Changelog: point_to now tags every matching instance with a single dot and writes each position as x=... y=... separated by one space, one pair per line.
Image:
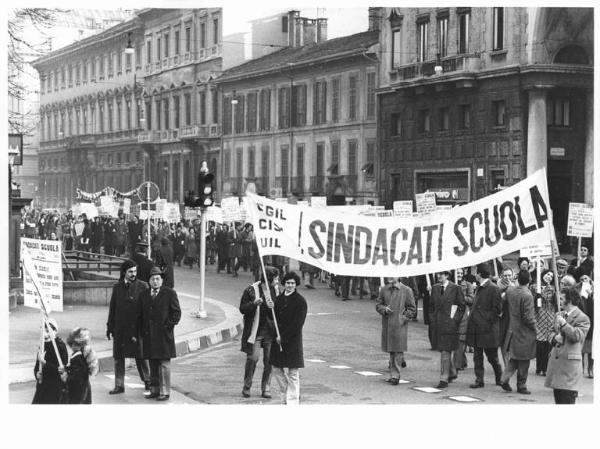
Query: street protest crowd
x=493 y=306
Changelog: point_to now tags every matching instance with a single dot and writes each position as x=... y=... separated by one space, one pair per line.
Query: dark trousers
x=345 y=285
x=160 y=376
x=542 y=352
x=251 y=362
x=492 y=357
x=564 y=396
x=521 y=367
x=142 y=367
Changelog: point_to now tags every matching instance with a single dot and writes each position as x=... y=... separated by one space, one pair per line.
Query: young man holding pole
x=258 y=329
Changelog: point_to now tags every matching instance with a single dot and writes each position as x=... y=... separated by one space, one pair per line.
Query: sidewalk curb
x=224 y=331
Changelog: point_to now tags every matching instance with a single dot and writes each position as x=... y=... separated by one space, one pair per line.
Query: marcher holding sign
x=45 y=259
x=581 y=224
x=49 y=388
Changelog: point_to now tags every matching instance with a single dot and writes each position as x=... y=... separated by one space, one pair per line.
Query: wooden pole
x=268 y=296
x=578 y=251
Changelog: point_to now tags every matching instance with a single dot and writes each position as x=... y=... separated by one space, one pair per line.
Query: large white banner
x=42 y=264
x=356 y=245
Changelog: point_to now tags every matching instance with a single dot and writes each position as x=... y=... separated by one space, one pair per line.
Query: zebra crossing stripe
x=340 y=367
x=427 y=389
x=464 y=399
x=367 y=373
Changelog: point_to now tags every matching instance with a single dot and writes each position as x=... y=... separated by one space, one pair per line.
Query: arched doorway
x=571 y=54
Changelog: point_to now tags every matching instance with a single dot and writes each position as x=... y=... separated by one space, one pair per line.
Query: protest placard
x=581 y=220
x=126 y=206
x=403 y=208
x=318 y=201
x=214 y=213
x=425 y=203
x=348 y=244
x=231 y=209
x=42 y=264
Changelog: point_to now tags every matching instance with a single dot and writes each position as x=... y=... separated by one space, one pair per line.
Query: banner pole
x=268 y=295
x=578 y=251
x=495 y=268
x=538 y=276
x=554 y=251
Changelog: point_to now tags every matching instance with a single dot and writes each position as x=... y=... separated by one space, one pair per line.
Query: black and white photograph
x=315 y=205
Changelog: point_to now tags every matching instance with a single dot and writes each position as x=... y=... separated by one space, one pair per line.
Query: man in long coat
x=165 y=261
x=159 y=314
x=122 y=325
x=447 y=307
x=520 y=335
x=483 y=328
x=144 y=265
x=261 y=328
x=396 y=305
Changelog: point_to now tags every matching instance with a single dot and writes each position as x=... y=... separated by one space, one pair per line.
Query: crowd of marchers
x=504 y=313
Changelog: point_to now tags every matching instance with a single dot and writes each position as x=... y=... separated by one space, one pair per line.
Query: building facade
x=301 y=121
x=111 y=117
x=474 y=99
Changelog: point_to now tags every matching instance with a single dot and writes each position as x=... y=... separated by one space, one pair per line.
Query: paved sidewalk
x=222 y=323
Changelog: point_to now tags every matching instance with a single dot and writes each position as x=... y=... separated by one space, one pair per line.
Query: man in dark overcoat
x=144 y=265
x=122 y=325
x=159 y=314
x=287 y=353
x=165 y=261
x=258 y=330
x=447 y=307
x=396 y=305
x=520 y=335
x=483 y=328
x=222 y=248
x=134 y=233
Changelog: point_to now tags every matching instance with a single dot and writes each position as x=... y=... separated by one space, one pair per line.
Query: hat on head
x=52 y=323
x=562 y=262
x=141 y=245
x=154 y=271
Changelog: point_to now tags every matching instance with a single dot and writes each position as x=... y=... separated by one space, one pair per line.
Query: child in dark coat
x=82 y=364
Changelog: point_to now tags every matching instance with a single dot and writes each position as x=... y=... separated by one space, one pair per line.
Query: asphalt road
x=343 y=360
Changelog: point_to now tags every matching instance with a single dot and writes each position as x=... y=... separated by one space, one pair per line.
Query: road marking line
x=368 y=373
x=464 y=399
x=315 y=360
x=340 y=367
x=130 y=385
x=427 y=389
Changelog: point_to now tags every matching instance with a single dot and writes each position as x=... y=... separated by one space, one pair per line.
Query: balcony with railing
x=184 y=58
x=352 y=182
x=282 y=183
x=262 y=185
x=450 y=65
x=298 y=184
x=317 y=184
x=148 y=137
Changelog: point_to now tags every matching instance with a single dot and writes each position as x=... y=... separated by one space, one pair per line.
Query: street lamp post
x=234 y=102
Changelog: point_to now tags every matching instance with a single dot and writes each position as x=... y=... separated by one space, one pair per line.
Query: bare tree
x=21 y=52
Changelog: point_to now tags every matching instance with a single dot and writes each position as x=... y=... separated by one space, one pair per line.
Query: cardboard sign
x=42 y=265
x=243 y=210
x=191 y=213
x=426 y=203
x=581 y=220
x=231 y=209
x=214 y=213
x=127 y=206
x=403 y=208
x=318 y=201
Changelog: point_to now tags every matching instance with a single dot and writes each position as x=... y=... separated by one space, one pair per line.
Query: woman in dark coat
x=287 y=351
x=49 y=386
x=191 y=249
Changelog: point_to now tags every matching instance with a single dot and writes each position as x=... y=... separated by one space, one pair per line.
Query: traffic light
x=190 y=199
x=205 y=190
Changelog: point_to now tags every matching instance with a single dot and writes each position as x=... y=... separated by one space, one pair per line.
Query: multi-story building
x=65 y=27
x=181 y=57
x=302 y=120
x=111 y=117
x=474 y=99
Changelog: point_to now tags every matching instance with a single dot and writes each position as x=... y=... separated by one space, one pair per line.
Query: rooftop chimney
x=291 y=23
x=321 y=30
x=374 y=16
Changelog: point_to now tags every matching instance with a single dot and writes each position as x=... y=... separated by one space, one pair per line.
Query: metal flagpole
x=268 y=296
x=148 y=217
x=202 y=312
